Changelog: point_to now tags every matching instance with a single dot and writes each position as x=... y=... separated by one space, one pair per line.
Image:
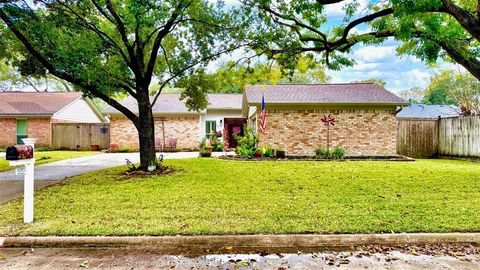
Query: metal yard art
x=328 y=121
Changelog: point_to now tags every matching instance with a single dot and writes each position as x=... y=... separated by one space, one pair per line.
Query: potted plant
x=95 y=147
x=204 y=153
x=258 y=152
x=280 y=152
x=208 y=148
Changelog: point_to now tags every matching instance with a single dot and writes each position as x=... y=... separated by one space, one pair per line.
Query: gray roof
x=429 y=111
x=35 y=103
x=171 y=103
x=348 y=93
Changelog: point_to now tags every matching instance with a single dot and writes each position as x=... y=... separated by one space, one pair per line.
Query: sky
x=379 y=61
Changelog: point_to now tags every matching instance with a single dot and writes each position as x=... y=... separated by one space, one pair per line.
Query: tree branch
x=62 y=75
x=181 y=71
x=467 y=20
x=158 y=40
x=328 y=2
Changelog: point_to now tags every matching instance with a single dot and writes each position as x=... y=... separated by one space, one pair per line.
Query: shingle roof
x=351 y=93
x=429 y=111
x=171 y=103
x=33 y=103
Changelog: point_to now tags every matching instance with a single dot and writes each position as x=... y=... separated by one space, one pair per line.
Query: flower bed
x=313 y=158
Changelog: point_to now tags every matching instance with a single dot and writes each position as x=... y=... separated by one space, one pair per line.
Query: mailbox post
x=28 y=183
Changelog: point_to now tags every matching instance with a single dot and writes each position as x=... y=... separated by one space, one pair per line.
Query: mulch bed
x=312 y=158
x=135 y=174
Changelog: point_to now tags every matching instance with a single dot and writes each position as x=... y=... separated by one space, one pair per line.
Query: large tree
x=111 y=47
x=429 y=29
x=461 y=89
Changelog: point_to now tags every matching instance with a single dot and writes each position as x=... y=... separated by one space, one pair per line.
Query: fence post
x=437 y=146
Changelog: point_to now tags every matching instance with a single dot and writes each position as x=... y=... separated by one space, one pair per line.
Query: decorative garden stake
x=328 y=121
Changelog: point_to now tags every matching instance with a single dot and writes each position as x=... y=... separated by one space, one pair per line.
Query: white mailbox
x=28 y=184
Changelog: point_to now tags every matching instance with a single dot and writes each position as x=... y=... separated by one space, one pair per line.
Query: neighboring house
x=31 y=114
x=173 y=121
x=422 y=111
x=364 y=113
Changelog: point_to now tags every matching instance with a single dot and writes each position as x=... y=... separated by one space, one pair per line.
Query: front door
x=233 y=126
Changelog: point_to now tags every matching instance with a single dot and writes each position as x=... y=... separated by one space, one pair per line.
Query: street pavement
x=55 y=258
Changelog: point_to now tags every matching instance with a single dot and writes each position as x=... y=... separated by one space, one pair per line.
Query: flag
x=263 y=116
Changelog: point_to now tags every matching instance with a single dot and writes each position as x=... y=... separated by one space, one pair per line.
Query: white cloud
x=375 y=53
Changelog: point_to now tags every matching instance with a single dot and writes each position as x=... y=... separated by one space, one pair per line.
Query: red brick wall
x=8 y=126
x=183 y=128
x=360 y=131
x=38 y=128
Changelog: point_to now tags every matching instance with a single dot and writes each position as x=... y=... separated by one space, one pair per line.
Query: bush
x=44 y=149
x=322 y=153
x=125 y=150
x=338 y=153
x=267 y=151
x=246 y=144
x=201 y=145
x=2 y=150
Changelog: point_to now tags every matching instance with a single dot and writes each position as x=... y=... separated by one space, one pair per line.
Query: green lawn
x=210 y=196
x=48 y=156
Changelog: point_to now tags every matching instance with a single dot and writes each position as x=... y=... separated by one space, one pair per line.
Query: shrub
x=201 y=145
x=338 y=153
x=246 y=144
x=322 y=153
x=244 y=151
x=267 y=151
x=125 y=150
x=2 y=150
x=44 y=149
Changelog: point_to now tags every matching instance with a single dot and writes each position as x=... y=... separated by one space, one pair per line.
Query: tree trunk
x=146 y=131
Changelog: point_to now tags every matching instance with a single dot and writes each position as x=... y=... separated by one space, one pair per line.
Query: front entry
x=232 y=126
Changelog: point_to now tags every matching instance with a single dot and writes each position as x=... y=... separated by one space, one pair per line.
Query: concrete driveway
x=11 y=185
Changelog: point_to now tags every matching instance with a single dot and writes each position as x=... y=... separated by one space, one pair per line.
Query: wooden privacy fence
x=456 y=136
x=80 y=136
x=417 y=138
x=459 y=136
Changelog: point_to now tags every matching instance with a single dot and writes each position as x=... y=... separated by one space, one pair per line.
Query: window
x=22 y=131
x=210 y=127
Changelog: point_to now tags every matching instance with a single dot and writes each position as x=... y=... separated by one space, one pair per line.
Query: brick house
x=31 y=114
x=174 y=121
x=365 y=114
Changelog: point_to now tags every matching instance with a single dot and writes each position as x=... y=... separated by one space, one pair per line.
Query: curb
x=292 y=242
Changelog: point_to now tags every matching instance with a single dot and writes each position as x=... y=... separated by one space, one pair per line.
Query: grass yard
x=48 y=156
x=210 y=196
